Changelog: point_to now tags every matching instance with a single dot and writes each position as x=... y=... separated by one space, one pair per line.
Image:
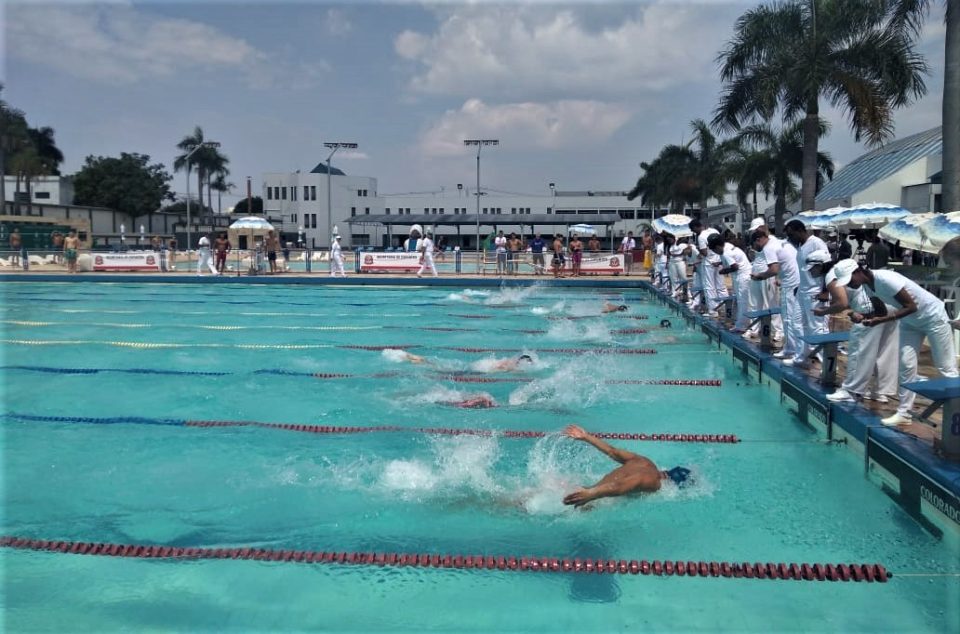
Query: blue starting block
x=729 y=304
x=763 y=316
x=944 y=393
x=828 y=343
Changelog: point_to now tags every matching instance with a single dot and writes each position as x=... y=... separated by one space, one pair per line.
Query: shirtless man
x=576 y=255
x=637 y=474
x=70 y=246
x=16 y=244
x=557 y=262
x=479 y=401
x=272 y=246
x=509 y=365
x=221 y=247
x=613 y=308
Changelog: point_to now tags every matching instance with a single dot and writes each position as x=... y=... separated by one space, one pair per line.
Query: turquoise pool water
x=778 y=496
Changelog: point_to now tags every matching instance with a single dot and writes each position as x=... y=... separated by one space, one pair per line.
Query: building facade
x=46 y=190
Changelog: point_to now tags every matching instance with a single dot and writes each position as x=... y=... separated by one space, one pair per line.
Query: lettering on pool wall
x=942 y=505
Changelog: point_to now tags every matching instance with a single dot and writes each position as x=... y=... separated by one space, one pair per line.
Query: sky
x=578 y=93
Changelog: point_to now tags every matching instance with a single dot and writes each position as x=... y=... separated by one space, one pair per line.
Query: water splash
x=593 y=331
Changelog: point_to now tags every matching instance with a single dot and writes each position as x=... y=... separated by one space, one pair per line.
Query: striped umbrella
x=906 y=232
x=871 y=215
x=941 y=229
x=827 y=219
x=674 y=224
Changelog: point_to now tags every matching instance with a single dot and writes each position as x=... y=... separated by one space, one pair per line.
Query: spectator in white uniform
x=810 y=286
x=426 y=256
x=627 y=245
x=660 y=267
x=735 y=261
x=336 y=258
x=676 y=264
x=708 y=267
x=206 y=259
x=871 y=352
x=768 y=248
x=782 y=258
x=920 y=315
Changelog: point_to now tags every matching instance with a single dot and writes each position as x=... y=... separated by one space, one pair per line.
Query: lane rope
x=333 y=429
x=869 y=573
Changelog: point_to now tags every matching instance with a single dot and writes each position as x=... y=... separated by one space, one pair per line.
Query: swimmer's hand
x=579 y=497
x=577 y=433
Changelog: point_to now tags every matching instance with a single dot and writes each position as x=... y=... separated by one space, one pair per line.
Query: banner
x=606 y=264
x=130 y=261
x=389 y=262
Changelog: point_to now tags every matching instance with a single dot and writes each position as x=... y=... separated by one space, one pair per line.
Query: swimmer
x=637 y=474
x=613 y=308
x=509 y=365
x=400 y=356
x=665 y=323
x=480 y=401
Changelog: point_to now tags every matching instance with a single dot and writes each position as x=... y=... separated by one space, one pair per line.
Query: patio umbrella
x=906 y=231
x=941 y=229
x=250 y=226
x=583 y=230
x=871 y=215
x=827 y=219
x=676 y=225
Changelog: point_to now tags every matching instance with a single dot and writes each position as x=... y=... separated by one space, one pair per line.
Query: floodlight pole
x=333 y=146
x=479 y=143
x=189 y=154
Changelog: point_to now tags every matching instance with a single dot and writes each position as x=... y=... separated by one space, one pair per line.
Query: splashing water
x=393 y=355
x=581 y=382
x=494 y=364
x=594 y=331
x=511 y=296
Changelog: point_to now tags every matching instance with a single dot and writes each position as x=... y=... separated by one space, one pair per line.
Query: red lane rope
x=711 y=569
x=460 y=378
x=636 y=317
x=631 y=331
x=555 y=350
x=453 y=431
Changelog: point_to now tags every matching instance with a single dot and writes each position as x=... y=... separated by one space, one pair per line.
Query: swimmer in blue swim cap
x=636 y=474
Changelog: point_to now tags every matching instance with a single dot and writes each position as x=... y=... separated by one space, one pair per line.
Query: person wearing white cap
x=810 y=284
x=336 y=258
x=426 y=256
x=735 y=261
x=920 y=315
x=709 y=267
x=782 y=259
x=871 y=352
x=205 y=260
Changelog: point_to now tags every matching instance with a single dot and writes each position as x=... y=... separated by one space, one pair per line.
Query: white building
x=49 y=190
x=366 y=218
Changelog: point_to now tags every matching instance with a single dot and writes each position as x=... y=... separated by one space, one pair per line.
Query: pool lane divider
x=870 y=573
x=338 y=430
x=456 y=378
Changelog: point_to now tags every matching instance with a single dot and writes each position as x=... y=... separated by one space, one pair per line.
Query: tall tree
x=208 y=160
x=779 y=158
x=222 y=186
x=712 y=158
x=27 y=164
x=671 y=178
x=129 y=184
x=748 y=170
x=47 y=150
x=13 y=136
x=788 y=55
x=909 y=16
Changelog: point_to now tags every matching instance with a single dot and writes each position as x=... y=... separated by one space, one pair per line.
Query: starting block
x=729 y=304
x=763 y=316
x=944 y=393
x=828 y=343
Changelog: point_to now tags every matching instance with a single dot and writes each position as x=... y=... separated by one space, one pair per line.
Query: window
x=283 y=193
x=293 y=218
x=366 y=211
x=293 y=193
x=353 y=211
x=360 y=239
x=314 y=220
x=626 y=214
x=549 y=210
x=484 y=210
x=306 y=193
x=386 y=210
x=513 y=210
x=41 y=195
x=441 y=211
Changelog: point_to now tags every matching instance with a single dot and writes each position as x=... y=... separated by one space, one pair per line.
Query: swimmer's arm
x=620 y=455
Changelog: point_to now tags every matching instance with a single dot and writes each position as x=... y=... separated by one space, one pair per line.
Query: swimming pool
x=131 y=360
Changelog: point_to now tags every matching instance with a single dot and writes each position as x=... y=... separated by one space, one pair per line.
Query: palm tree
x=50 y=154
x=909 y=16
x=779 y=158
x=748 y=170
x=712 y=159
x=221 y=185
x=671 y=178
x=208 y=160
x=788 y=55
x=216 y=165
x=27 y=164
x=13 y=136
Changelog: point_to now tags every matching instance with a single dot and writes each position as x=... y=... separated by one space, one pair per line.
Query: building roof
x=452 y=220
x=321 y=168
x=874 y=166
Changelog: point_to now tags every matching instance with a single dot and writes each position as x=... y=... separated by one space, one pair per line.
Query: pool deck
x=901 y=461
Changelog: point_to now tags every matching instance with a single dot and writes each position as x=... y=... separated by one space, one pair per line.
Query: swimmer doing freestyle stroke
x=636 y=474
x=613 y=308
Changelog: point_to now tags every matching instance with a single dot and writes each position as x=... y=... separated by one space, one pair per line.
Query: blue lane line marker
x=177 y=422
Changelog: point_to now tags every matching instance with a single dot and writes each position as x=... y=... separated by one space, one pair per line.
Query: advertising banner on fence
x=611 y=264
x=130 y=261
x=389 y=262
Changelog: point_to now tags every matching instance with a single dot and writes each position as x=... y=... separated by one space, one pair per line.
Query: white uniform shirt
x=426 y=245
x=770 y=251
x=808 y=283
x=759 y=264
x=887 y=284
x=628 y=244
x=335 y=251
x=661 y=254
x=789 y=273
x=204 y=242
x=501 y=244
x=733 y=254
x=676 y=251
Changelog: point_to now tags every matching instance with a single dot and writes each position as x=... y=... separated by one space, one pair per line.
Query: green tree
x=256 y=204
x=27 y=164
x=222 y=186
x=712 y=159
x=788 y=55
x=748 y=170
x=778 y=158
x=180 y=208
x=47 y=150
x=208 y=160
x=13 y=137
x=909 y=16
x=129 y=184
x=671 y=178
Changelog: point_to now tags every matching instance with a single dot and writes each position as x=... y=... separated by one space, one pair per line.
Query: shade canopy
x=583 y=229
x=251 y=223
x=675 y=224
x=941 y=229
x=906 y=232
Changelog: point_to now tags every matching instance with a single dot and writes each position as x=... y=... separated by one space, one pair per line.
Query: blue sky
x=577 y=93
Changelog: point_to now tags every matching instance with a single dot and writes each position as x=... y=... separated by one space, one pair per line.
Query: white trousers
x=872 y=352
x=940 y=335
x=741 y=287
x=792 y=322
x=336 y=266
x=427 y=263
x=713 y=287
x=678 y=273
x=812 y=324
x=205 y=261
x=697 y=283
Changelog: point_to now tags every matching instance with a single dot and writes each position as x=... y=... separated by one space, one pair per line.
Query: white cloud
x=526 y=125
x=336 y=23
x=504 y=51
x=120 y=44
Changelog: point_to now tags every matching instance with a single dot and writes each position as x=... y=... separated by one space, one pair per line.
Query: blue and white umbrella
x=871 y=215
x=251 y=223
x=583 y=230
x=676 y=225
x=827 y=219
x=941 y=229
x=906 y=232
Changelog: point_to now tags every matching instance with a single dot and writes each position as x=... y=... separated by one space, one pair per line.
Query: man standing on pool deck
x=426 y=256
x=336 y=258
x=636 y=474
x=205 y=261
x=537 y=245
x=70 y=246
x=272 y=245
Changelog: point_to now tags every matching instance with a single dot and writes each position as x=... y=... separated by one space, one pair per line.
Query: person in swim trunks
x=576 y=255
x=70 y=245
x=557 y=263
x=636 y=474
x=613 y=308
x=480 y=401
x=272 y=246
x=221 y=247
